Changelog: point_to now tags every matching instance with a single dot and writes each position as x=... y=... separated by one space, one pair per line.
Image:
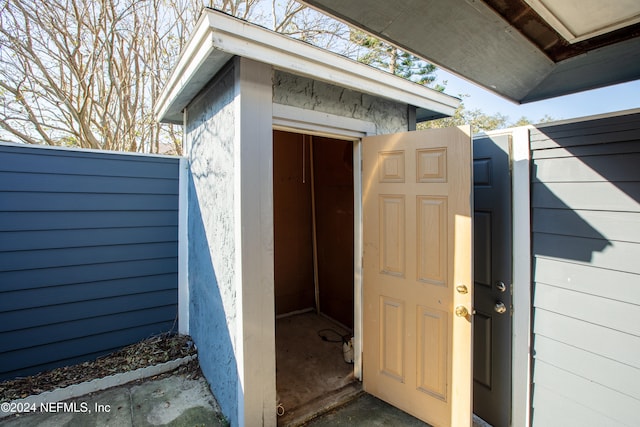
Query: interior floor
x=311 y=373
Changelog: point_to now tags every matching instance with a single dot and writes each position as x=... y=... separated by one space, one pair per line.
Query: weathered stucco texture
x=213 y=316
x=222 y=333
x=302 y=92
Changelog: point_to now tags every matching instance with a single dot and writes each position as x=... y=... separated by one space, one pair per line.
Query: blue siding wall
x=586 y=248
x=88 y=254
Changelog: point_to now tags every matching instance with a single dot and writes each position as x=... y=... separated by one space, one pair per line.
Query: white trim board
x=521 y=332
x=313 y=122
x=218 y=37
x=183 y=246
x=253 y=217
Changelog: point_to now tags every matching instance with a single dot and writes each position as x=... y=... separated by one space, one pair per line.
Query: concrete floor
x=311 y=374
x=175 y=401
x=316 y=387
x=366 y=411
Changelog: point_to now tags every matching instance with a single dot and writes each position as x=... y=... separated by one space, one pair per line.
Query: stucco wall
x=302 y=92
x=210 y=134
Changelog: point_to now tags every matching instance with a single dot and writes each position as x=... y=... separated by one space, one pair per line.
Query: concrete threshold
x=302 y=414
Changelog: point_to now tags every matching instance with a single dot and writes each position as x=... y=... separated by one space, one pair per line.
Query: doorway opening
x=313 y=197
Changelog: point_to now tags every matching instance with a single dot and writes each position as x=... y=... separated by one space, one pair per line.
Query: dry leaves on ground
x=152 y=351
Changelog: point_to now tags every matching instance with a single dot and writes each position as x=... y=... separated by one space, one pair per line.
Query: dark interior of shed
x=313 y=195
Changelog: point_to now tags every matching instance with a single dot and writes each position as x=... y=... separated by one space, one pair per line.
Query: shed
x=273 y=135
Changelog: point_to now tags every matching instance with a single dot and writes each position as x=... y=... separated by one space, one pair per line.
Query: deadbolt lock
x=462 y=289
x=500 y=308
x=501 y=286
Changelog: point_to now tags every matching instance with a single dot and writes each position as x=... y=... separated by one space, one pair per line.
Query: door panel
x=432 y=239
x=432 y=351
x=392 y=331
x=492 y=265
x=482 y=352
x=417 y=252
x=392 y=234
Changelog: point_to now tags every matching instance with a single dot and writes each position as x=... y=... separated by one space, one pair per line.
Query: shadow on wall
x=585 y=192
x=208 y=320
x=559 y=230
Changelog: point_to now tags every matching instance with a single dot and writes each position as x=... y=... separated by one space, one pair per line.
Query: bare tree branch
x=87 y=73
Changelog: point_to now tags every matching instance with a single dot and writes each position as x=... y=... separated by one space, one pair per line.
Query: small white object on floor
x=347 y=350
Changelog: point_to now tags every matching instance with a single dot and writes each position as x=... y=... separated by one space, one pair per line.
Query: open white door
x=417 y=284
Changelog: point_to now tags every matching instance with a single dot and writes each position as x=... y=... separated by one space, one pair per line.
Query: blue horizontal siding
x=54 y=239
x=9 y=221
x=88 y=254
x=64 y=294
x=63 y=353
x=61 y=275
x=42 y=201
x=47 y=182
x=41 y=316
x=586 y=245
x=47 y=258
x=25 y=159
x=63 y=331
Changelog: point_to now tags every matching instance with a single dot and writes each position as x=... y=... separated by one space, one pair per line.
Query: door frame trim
x=521 y=285
x=286 y=117
x=312 y=122
x=521 y=299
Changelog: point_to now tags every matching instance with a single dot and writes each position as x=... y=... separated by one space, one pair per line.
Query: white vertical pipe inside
x=357 y=259
x=316 y=280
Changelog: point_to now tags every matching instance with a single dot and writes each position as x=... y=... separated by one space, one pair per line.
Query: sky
x=598 y=101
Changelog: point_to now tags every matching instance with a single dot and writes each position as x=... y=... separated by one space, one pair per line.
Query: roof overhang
x=219 y=37
x=524 y=50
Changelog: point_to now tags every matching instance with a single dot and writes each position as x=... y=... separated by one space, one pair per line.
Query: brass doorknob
x=500 y=308
x=461 y=311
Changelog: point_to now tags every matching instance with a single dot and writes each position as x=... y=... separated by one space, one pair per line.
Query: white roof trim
x=586 y=19
x=218 y=37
